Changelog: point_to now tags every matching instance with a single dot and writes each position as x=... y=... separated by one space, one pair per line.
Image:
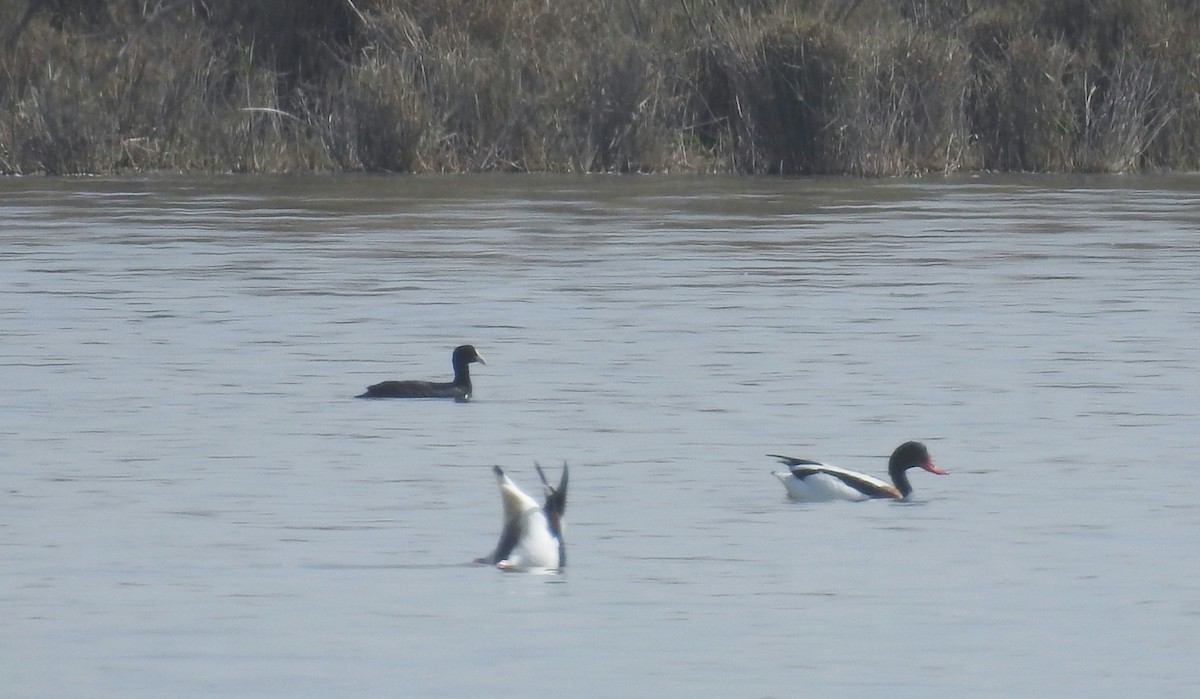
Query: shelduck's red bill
x=928 y=466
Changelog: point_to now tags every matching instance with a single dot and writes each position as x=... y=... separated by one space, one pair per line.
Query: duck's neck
x=900 y=478
x=462 y=375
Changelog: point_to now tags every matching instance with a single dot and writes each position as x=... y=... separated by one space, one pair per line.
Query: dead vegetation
x=884 y=87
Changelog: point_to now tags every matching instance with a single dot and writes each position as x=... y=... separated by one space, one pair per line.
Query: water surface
x=194 y=505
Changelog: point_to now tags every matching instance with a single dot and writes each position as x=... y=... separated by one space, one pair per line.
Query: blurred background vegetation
x=866 y=87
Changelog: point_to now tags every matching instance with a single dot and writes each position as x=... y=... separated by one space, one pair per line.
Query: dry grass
x=881 y=87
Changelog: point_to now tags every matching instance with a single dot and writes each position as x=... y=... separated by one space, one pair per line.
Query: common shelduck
x=532 y=536
x=813 y=481
x=459 y=388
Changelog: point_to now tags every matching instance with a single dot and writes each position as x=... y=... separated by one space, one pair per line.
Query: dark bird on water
x=459 y=388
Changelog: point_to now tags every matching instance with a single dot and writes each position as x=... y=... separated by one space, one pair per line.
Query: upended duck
x=813 y=481
x=532 y=536
x=459 y=388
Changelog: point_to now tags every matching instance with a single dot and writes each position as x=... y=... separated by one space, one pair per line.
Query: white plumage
x=827 y=484
x=813 y=481
x=531 y=536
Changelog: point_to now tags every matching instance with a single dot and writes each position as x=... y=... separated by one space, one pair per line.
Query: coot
x=459 y=388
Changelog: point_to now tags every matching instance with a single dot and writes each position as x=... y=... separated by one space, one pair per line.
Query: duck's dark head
x=910 y=455
x=465 y=354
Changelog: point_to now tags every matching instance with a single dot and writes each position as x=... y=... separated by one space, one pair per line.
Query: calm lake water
x=193 y=504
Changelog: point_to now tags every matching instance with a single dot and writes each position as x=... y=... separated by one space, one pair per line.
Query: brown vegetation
x=871 y=87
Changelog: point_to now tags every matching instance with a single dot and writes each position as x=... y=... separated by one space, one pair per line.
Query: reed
x=873 y=87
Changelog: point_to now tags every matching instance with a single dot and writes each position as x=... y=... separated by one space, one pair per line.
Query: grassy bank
x=871 y=87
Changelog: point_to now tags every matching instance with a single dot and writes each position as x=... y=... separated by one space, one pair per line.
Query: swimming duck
x=532 y=536
x=813 y=481
x=459 y=388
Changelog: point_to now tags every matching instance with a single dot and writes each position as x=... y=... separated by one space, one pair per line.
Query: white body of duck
x=813 y=481
x=531 y=537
